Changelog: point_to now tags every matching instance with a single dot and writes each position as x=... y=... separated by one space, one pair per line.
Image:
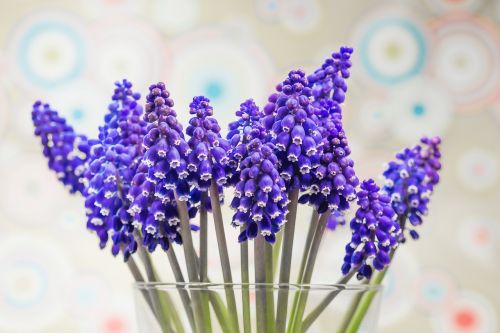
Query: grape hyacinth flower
x=208 y=158
x=375 y=232
x=66 y=150
x=247 y=127
x=410 y=181
x=163 y=171
x=334 y=179
x=112 y=165
x=292 y=124
x=260 y=197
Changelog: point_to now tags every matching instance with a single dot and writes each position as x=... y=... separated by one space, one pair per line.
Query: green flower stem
x=318 y=310
x=220 y=311
x=286 y=261
x=219 y=308
x=296 y=320
x=136 y=273
x=204 y=250
x=364 y=304
x=183 y=293
x=305 y=254
x=203 y=238
x=260 y=279
x=164 y=313
x=223 y=253
x=307 y=246
x=268 y=252
x=276 y=252
x=349 y=313
x=201 y=318
x=245 y=280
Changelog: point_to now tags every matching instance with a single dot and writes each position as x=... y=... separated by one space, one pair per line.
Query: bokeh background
x=420 y=67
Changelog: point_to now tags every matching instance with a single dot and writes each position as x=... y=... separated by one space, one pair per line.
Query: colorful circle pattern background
x=417 y=66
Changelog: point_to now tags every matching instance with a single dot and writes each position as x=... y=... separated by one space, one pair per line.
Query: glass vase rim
x=361 y=287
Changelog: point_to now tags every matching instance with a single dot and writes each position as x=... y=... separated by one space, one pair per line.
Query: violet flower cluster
x=143 y=164
x=67 y=152
x=410 y=181
x=292 y=125
x=334 y=179
x=163 y=174
x=112 y=164
x=260 y=196
x=375 y=232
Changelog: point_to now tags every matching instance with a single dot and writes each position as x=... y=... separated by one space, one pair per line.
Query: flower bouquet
x=149 y=185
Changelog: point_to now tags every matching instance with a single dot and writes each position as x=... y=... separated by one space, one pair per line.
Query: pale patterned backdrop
x=419 y=67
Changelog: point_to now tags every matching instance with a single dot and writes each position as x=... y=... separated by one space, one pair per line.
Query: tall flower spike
x=247 y=127
x=67 y=152
x=334 y=179
x=293 y=130
x=163 y=170
x=410 y=181
x=208 y=158
x=112 y=165
x=375 y=232
x=260 y=197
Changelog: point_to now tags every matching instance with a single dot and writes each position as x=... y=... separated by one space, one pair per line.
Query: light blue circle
x=433 y=292
x=421 y=46
x=39 y=29
x=214 y=89
x=419 y=110
x=41 y=293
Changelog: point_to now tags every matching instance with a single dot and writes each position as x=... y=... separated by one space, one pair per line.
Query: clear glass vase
x=263 y=308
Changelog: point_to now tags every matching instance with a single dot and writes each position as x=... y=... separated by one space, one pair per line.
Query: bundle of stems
x=270 y=317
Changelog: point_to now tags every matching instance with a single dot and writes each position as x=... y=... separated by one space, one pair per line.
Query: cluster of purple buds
x=162 y=176
x=410 y=181
x=334 y=180
x=67 y=152
x=375 y=232
x=328 y=82
x=247 y=127
x=208 y=158
x=260 y=197
x=112 y=165
x=292 y=125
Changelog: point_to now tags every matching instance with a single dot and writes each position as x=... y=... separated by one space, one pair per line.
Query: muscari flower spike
x=375 y=232
x=247 y=127
x=162 y=175
x=208 y=158
x=334 y=179
x=292 y=125
x=112 y=165
x=410 y=181
x=67 y=152
x=260 y=197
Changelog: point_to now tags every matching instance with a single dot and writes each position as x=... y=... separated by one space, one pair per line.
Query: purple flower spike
x=66 y=150
x=209 y=151
x=260 y=195
x=334 y=180
x=162 y=170
x=293 y=129
x=112 y=165
x=410 y=181
x=375 y=232
x=247 y=127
